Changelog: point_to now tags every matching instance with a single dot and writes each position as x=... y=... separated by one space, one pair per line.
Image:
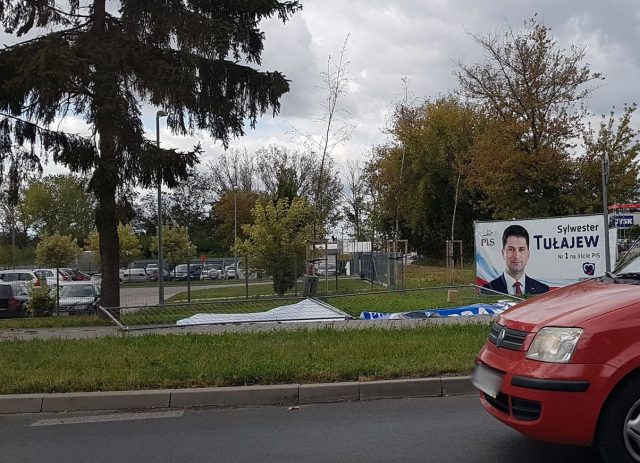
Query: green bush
x=42 y=303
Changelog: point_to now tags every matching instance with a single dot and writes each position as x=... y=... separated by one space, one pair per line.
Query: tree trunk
x=105 y=178
x=105 y=182
x=106 y=223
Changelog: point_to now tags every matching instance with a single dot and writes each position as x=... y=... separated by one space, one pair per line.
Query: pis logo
x=487 y=238
x=589 y=268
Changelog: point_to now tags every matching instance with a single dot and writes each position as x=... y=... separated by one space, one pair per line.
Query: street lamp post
x=160 y=114
x=235 y=229
x=605 y=209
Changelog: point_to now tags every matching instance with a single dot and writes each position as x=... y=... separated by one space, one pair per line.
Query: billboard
x=561 y=251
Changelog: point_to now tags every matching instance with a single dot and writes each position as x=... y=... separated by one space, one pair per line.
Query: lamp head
x=161 y=113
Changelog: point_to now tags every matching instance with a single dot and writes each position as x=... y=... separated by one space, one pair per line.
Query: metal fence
x=291 y=308
x=382 y=268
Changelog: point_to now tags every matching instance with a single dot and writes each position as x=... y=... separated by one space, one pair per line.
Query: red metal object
x=13 y=304
x=607 y=352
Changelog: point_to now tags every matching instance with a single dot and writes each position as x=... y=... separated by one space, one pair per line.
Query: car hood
x=571 y=305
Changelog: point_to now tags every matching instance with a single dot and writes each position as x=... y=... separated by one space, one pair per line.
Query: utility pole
x=160 y=114
x=605 y=209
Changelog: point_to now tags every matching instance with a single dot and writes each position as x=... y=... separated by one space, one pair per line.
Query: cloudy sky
x=420 y=40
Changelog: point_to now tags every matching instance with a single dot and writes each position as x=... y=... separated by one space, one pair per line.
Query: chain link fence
x=380 y=268
x=260 y=309
x=348 y=282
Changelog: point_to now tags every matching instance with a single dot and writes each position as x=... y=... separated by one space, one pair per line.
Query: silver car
x=211 y=272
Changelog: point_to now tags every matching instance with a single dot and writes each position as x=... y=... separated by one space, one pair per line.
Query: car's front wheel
x=618 y=436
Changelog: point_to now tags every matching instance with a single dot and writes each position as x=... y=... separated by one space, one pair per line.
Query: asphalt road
x=451 y=429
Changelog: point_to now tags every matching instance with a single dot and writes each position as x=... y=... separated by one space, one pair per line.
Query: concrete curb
x=280 y=394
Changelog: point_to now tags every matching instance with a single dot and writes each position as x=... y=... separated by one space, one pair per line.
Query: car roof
x=80 y=283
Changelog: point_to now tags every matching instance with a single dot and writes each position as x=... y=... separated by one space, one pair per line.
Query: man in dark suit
x=515 y=252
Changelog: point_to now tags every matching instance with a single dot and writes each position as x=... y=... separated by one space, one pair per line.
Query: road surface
x=451 y=429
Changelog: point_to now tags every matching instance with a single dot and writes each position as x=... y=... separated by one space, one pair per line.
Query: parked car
x=14 y=298
x=49 y=274
x=329 y=270
x=24 y=275
x=180 y=272
x=230 y=271
x=564 y=366
x=78 y=297
x=150 y=268
x=211 y=272
x=76 y=275
x=134 y=275
x=153 y=275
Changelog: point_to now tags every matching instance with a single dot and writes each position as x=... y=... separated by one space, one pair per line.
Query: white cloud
x=422 y=41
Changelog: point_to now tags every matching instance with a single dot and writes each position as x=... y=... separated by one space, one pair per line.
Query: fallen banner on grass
x=306 y=310
x=465 y=311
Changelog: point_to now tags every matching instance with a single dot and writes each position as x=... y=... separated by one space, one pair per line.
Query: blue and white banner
x=466 y=311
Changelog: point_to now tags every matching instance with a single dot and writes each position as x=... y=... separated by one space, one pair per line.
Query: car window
x=76 y=291
x=11 y=277
x=181 y=268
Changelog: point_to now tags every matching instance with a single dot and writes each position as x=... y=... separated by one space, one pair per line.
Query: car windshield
x=181 y=268
x=630 y=262
x=11 y=277
x=77 y=291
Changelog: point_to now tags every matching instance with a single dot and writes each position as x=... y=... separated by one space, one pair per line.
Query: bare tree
x=355 y=197
x=336 y=130
x=233 y=168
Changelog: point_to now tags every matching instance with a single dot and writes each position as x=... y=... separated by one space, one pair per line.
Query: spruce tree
x=197 y=60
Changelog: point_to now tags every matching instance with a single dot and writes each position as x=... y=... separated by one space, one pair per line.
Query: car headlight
x=554 y=344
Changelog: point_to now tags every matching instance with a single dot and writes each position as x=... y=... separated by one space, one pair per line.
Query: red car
x=565 y=366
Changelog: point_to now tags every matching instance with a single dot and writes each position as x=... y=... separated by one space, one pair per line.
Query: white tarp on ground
x=306 y=310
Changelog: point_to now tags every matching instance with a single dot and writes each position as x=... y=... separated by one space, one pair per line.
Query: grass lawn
x=53 y=322
x=427 y=276
x=232 y=359
x=345 y=285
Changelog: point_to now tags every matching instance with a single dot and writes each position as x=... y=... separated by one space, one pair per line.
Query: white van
x=134 y=274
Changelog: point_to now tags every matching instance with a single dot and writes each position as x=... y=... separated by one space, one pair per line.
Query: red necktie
x=518 y=286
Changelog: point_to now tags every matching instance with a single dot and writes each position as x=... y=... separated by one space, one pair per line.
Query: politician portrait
x=516 y=253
